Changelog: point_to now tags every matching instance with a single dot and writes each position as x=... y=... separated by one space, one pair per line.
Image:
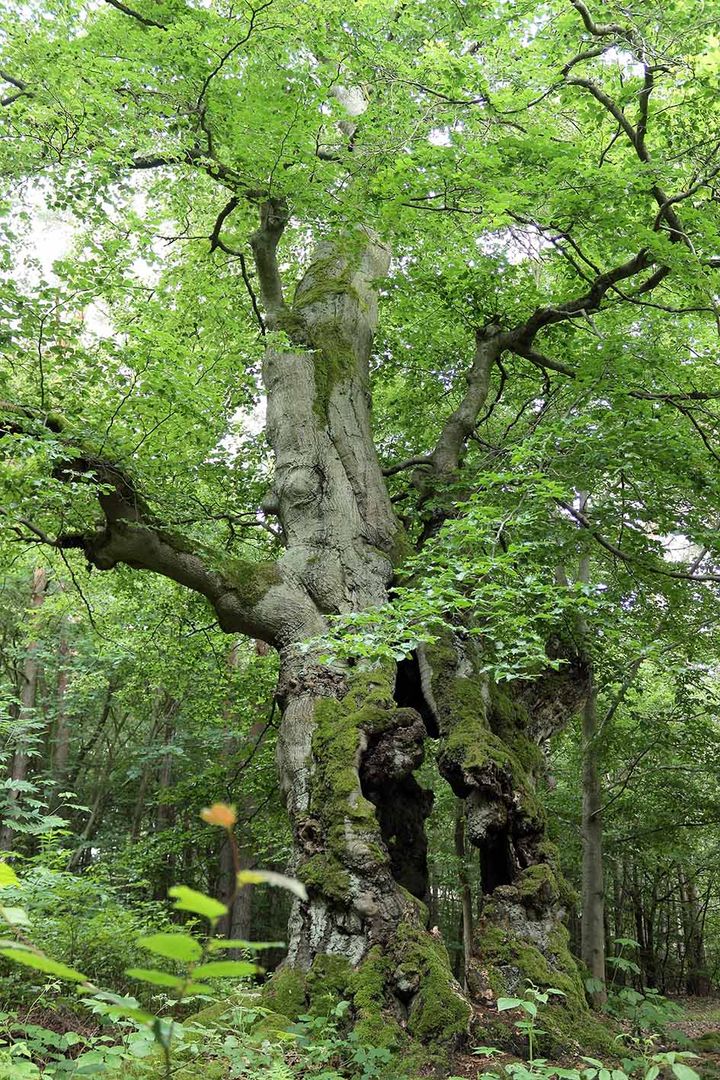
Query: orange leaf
x=219 y=814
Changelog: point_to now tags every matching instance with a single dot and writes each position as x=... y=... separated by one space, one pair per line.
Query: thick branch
x=624 y=556
x=252 y=598
x=22 y=88
x=608 y=104
x=520 y=339
x=489 y=344
x=18 y=83
x=601 y=29
x=264 y=241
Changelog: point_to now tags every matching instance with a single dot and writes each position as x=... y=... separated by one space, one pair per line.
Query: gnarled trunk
x=347 y=750
x=351 y=740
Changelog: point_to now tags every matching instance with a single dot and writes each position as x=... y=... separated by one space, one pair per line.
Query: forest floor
x=698 y=1030
x=702 y=1016
x=700 y=1024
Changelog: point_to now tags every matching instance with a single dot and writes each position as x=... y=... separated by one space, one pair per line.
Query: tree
x=550 y=215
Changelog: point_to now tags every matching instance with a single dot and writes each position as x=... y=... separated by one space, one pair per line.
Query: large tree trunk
x=347 y=750
x=351 y=739
x=491 y=755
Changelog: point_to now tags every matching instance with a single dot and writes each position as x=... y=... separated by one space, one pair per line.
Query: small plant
x=194 y=963
x=647 y=1068
x=325 y=1044
x=529 y=1005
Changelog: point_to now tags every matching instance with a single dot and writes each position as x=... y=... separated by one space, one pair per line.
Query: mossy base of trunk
x=506 y=963
x=401 y=994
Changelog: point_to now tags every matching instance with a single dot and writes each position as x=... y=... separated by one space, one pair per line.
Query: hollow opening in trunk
x=497 y=865
x=402 y=807
x=387 y=780
x=409 y=693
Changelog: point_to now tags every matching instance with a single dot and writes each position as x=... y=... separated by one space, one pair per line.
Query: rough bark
x=491 y=755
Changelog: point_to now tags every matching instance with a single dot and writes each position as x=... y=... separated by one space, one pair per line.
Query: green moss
x=348 y=820
x=325 y=874
x=333 y=362
x=401 y=549
x=293 y=324
x=256 y=578
x=512 y=963
x=327 y=982
x=331 y=276
x=538 y=886
x=438 y=1013
x=372 y=1024
x=272 y=1027
x=334 y=357
x=485 y=729
x=709 y=1042
x=418 y=964
x=285 y=993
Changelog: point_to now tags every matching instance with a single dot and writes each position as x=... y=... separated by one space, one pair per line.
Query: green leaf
x=156 y=977
x=216 y=944
x=15 y=916
x=652 y=1072
x=230 y=969
x=7 y=875
x=187 y=899
x=43 y=963
x=269 y=877
x=503 y=1004
x=178 y=946
x=132 y=1014
x=684 y=1072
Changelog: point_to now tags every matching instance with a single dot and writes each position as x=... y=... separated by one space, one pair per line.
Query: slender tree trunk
x=29 y=674
x=60 y=751
x=165 y=812
x=167 y=708
x=696 y=978
x=466 y=921
x=593 y=889
x=238 y=923
x=618 y=881
x=140 y=803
